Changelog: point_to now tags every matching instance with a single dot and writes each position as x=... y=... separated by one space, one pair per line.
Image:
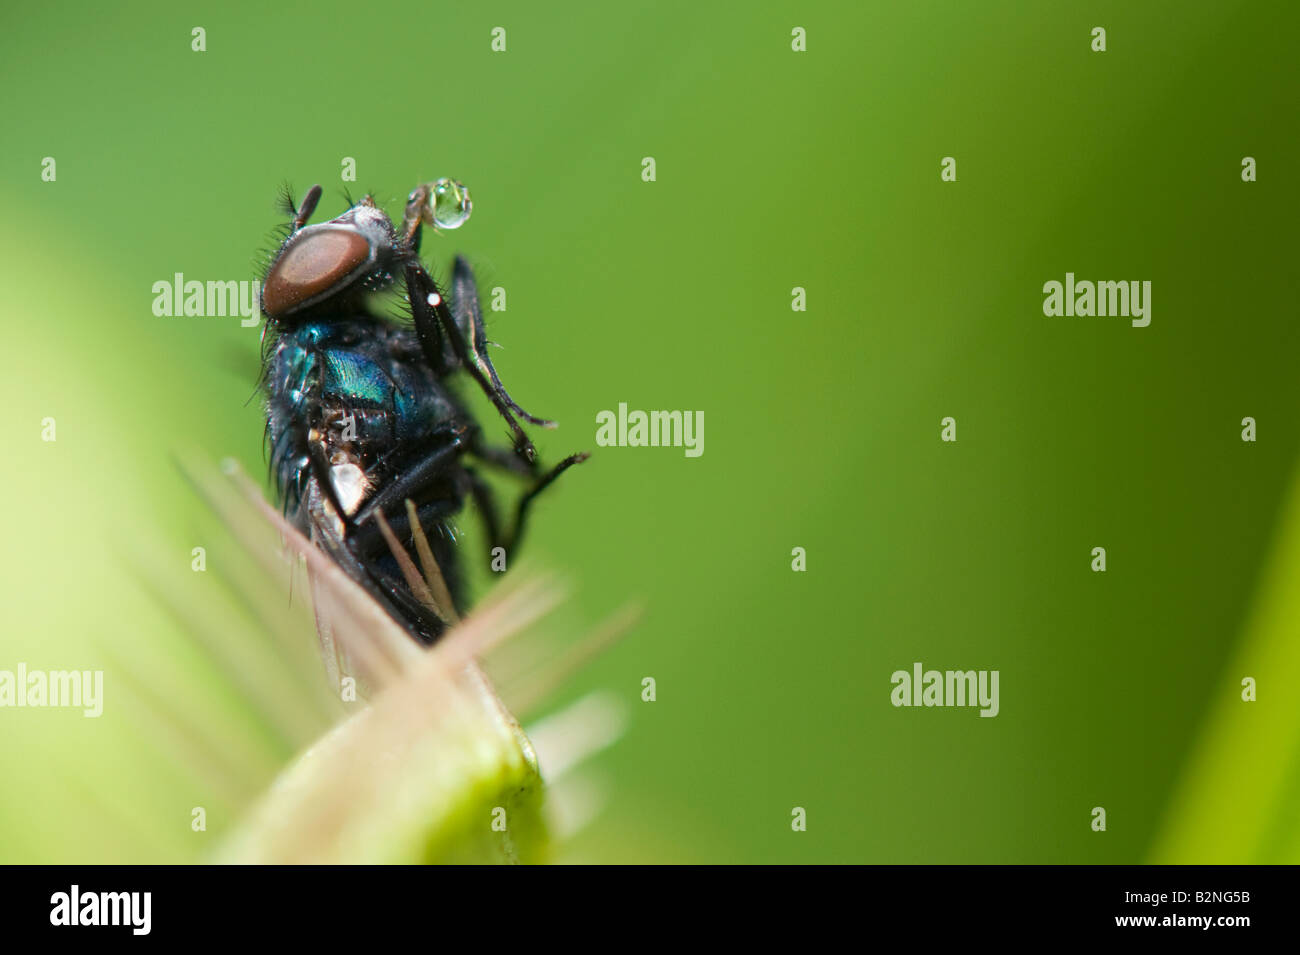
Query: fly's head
x=327 y=265
x=324 y=265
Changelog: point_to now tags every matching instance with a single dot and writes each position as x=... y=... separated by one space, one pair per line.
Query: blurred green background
x=775 y=169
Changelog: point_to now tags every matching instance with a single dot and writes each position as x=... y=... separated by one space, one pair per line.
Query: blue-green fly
x=371 y=450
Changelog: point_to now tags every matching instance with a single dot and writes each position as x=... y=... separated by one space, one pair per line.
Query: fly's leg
x=504 y=459
x=467 y=318
x=360 y=565
x=485 y=499
x=390 y=522
x=458 y=325
x=446 y=445
x=357 y=542
x=521 y=510
x=419 y=619
x=463 y=329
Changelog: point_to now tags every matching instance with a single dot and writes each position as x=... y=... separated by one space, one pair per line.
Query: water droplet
x=450 y=203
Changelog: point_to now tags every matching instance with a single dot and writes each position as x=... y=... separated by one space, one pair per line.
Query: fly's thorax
x=356 y=388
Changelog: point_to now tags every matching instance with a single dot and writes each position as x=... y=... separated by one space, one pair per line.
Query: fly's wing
x=399 y=599
x=359 y=634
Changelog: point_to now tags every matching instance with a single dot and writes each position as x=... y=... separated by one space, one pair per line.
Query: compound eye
x=313 y=265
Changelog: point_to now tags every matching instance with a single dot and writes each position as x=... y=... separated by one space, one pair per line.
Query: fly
x=371 y=452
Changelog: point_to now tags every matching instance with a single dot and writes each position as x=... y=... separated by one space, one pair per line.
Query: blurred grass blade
x=1239 y=798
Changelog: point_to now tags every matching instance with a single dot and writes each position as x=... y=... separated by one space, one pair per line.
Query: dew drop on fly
x=449 y=204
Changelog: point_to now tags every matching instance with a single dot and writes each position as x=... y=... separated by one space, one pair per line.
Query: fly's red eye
x=311 y=266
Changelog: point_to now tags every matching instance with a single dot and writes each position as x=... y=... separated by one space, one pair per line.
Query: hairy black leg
x=417 y=475
x=397 y=458
x=486 y=501
x=505 y=461
x=521 y=512
x=364 y=541
x=367 y=540
x=414 y=615
x=350 y=551
x=433 y=321
x=426 y=624
x=503 y=458
x=467 y=317
x=458 y=325
x=359 y=548
x=408 y=528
